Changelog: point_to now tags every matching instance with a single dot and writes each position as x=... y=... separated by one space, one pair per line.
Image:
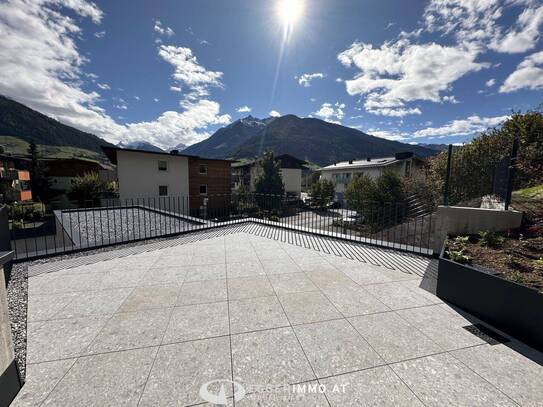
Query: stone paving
x=283 y=324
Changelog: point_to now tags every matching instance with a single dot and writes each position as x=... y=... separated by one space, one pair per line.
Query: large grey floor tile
x=300 y=395
x=129 y=330
x=250 y=268
x=256 y=313
x=249 y=287
x=393 y=338
x=62 y=338
x=148 y=297
x=198 y=292
x=53 y=283
x=442 y=326
x=511 y=372
x=397 y=296
x=94 y=303
x=272 y=357
x=41 y=378
x=44 y=307
x=291 y=283
x=327 y=280
x=308 y=307
x=164 y=275
x=442 y=380
x=280 y=266
x=197 y=321
x=372 y=388
x=352 y=301
x=335 y=347
x=365 y=274
x=181 y=369
x=111 y=379
x=206 y=272
x=122 y=278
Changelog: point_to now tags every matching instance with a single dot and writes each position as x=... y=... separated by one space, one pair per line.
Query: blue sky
x=171 y=72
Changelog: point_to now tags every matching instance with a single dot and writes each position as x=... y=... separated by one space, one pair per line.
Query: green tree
x=322 y=192
x=269 y=187
x=39 y=183
x=89 y=189
x=475 y=163
x=389 y=188
x=360 y=192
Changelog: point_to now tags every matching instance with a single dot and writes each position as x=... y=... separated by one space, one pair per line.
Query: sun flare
x=290 y=11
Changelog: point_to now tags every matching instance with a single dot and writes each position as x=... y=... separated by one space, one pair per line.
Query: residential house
x=14 y=182
x=342 y=173
x=246 y=173
x=61 y=173
x=177 y=182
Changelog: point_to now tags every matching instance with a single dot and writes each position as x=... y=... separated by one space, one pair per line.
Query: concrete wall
x=455 y=220
x=139 y=176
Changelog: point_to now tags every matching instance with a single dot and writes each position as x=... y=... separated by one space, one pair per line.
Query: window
x=203 y=169
x=203 y=189
x=163 y=190
x=162 y=165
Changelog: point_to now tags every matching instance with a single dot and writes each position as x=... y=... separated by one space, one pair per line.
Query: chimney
x=174 y=152
x=350 y=161
x=368 y=159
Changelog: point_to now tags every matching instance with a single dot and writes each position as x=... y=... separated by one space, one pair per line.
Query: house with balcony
x=246 y=173
x=14 y=182
x=342 y=173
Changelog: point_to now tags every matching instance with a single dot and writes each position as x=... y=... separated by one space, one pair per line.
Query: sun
x=290 y=11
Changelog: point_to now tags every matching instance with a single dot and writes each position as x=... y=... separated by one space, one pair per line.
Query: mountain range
x=311 y=139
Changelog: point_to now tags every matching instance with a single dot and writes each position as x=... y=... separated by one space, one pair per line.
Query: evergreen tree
x=269 y=186
x=39 y=183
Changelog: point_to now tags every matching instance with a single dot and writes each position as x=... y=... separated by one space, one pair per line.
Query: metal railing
x=105 y=222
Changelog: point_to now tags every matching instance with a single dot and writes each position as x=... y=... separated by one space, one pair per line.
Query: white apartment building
x=341 y=173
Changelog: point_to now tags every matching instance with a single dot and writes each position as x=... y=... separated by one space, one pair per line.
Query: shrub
x=490 y=239
x=458 y=256
x=322 y=192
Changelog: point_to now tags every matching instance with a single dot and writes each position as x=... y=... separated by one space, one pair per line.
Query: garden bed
x=497 y=278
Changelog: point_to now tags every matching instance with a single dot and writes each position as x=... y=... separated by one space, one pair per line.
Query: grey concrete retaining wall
x=456 y=220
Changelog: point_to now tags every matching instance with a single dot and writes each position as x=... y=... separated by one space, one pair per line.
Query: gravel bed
x=17 y=308
x=92 y=227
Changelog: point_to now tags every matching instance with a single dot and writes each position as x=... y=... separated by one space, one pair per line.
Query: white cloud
x=462 y=127
x=187 y=127
x=332 y=113
x=400 y=72
x=175 y=88
x=528 y=75
x=339 y=80
x=389 y=135
x=162 y=30
x=476 y=23
x=305 y=79
x=100 y=34
x=274 y=113
x=103 y=86
x=491 y=82
x=156 y=99
x=41 y=67
x=137 y=97
x=450 y=99
x=524 y=36
x=244 y=109
x=189 y=72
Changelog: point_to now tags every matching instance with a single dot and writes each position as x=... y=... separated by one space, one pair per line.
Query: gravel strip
x=17 y=308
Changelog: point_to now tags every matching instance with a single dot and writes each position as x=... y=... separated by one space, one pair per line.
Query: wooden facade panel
x=217 y=181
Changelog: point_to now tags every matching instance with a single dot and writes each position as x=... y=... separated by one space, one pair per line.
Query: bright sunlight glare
x=290 y=11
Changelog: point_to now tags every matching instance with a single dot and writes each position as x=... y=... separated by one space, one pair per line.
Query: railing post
x=447 y=177
x=511 y=173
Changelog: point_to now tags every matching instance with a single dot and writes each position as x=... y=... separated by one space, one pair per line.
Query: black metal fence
x=113 y=221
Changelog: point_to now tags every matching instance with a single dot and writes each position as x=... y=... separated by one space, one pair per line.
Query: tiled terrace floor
x=151 y=328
